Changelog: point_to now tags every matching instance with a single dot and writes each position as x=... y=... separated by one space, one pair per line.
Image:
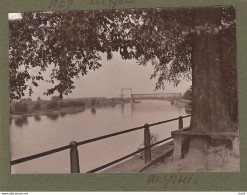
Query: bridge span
x=138 y=96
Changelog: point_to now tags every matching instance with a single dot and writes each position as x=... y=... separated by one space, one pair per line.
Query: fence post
x=147 y=143
x=74 y=158
x=180 y=122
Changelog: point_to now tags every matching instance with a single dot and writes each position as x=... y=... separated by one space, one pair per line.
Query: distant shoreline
x=77 y=109
x=69 y=110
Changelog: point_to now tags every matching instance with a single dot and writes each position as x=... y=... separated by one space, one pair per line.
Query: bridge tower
x=127 y=89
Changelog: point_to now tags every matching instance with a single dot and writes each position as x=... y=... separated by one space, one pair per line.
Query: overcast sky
x=114 y=75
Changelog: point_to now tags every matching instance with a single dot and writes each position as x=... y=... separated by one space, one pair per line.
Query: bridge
x=160 y=96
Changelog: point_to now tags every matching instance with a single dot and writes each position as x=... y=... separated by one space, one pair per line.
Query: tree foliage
x=70 y=44
x=20 y=107
x=188 y=94
x=37 y=106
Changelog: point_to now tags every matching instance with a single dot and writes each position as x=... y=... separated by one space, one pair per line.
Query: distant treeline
x=62 y=104
x=28 y=106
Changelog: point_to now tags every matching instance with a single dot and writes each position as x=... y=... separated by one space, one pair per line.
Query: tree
x=45 y=40
x=214 y=79
x=188 y=94
x=20 y=107
x=54 y=98
x=210 y=71
x=37 y=106
x=175 y=41
x=93 y=102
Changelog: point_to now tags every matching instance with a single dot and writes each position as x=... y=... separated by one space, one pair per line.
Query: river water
x=49 y=133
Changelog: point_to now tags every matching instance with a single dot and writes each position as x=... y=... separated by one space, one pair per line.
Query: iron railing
x=74 y=156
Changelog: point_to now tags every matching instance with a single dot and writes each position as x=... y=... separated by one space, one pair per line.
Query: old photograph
x=124 y=91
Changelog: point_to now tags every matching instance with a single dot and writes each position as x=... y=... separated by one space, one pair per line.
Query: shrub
x=64 y=104
x=154 y=137
x=93 y=102
x=52 y=105
x=76 y=103
x=20 y=107
x=37 y=106
x=188 y=94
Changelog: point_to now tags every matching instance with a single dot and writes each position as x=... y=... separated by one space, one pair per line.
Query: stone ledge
x=214 y=135
x=182 y=140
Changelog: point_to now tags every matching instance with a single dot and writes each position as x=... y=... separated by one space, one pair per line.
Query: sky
x=108 y=80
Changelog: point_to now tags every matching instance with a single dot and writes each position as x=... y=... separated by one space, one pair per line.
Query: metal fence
x=73 y=146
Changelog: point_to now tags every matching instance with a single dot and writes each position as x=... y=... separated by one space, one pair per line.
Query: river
x=39 y=136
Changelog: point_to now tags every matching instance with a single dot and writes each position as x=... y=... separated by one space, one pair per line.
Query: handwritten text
x=171 y=179
x=111 y=3
x=61 y=3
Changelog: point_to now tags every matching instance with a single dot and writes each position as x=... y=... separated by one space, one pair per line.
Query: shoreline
x=69 y=110
x=136 y=163
x=73 y=110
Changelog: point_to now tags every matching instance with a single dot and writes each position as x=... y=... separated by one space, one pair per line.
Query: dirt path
x=134 y=164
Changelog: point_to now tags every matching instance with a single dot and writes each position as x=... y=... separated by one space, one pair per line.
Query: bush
x=20 y=107
x=188 y=94
x=52 y=105
x=64 y=104
x=154 y=137
x=76 y=103
x=93 y=102
x=37 y=106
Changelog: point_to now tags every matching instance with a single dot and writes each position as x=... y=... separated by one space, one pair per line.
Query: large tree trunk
x=214 y=87
x=212 y=74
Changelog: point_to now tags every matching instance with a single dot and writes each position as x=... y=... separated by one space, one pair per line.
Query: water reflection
x=154 y=107
x=37 y=118
x=93 y=110
x=78 y=125
x=21 y=121
x=62 y=114
x=131 y=108
x=52 y=116
x=122 y=109
x=76 y=111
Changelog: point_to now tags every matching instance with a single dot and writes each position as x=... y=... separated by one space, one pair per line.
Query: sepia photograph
x=149 y=90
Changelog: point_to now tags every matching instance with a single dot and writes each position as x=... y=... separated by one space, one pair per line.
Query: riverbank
x=136 y=163
x=221 y=160
x=61 y=111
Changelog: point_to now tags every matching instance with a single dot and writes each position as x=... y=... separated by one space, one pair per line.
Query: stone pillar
x=181 y=143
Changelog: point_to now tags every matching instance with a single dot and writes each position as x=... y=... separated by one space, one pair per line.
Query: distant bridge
x=172 y=96
x=160 y=96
